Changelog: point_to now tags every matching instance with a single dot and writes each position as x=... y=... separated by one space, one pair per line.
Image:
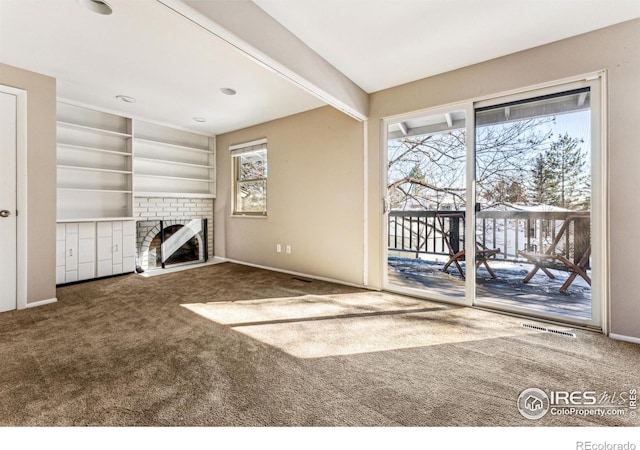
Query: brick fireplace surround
x=171 y=209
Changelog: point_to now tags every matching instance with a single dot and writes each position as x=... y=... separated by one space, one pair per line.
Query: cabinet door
x=60 y=252
x=60 y=273
x=87 y=251
x=104 y=248
x=129 y=246
x=117 y=251
x=71 y=246
x=71 y=253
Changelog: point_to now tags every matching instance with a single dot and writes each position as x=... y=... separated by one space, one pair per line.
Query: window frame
x=236 y=152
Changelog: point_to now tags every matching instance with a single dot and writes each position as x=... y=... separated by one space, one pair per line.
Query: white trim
x=248 y=216
x=21 y=194
x=524 y=312
x=365 y=208
x=525 y=92
x=248 y=144
x=622 y=337
x=298 y=274
x=423 y=294
x=41 y=303
x=470 y=219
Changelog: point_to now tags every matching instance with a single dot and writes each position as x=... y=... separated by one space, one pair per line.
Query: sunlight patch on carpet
x=316 y=326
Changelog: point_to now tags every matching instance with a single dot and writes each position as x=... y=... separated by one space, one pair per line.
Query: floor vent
x=548 y=330
x=301 y=279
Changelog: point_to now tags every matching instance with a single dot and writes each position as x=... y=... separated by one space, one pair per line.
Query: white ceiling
x=383 y=43
x=175 y=68
x=171 y=66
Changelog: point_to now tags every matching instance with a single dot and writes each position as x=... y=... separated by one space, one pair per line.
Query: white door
x=8 y=141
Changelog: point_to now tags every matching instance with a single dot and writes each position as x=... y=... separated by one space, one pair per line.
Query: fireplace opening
x=169 y=243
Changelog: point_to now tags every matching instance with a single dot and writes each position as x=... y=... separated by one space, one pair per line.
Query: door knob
x=5 y=213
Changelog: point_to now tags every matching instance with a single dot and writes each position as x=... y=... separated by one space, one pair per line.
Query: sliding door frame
x=467 y=107
x=599 y=234
x=597 y=82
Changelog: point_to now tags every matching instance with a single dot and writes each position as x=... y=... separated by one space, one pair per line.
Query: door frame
x=467 y=107
x=600 y=225
x=21 y=193
x=599 y=195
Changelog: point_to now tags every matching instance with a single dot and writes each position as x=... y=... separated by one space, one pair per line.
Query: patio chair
x=552 y=259
x=483 y=254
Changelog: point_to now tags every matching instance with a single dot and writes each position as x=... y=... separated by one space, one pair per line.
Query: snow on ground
x=541 y=294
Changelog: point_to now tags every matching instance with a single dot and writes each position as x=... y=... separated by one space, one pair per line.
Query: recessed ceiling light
x=199 y=119
x=96 y=6
x=228 y=91
x=126 y=98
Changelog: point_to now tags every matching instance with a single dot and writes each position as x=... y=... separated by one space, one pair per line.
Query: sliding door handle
x=5 y=213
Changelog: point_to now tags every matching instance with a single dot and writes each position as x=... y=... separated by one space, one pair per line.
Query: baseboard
x=300 y=274
x=622 y=337
x=41 y=302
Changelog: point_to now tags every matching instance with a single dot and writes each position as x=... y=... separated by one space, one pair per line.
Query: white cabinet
x=116 y=247
x=172 y=163
x=75 y=252
x=86 y=250
x=60 y=253
x=94 y=164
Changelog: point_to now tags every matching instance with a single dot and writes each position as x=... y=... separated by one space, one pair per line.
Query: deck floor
x=541 y=295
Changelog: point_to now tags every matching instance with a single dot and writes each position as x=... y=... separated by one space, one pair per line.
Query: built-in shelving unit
x=172 y=163
x=103 y=161
x=95 y=169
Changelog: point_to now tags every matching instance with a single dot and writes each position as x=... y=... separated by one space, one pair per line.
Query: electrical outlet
x=288 y=248
x=278 y=248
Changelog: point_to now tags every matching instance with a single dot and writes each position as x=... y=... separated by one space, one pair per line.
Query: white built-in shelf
x=93 y=149
x=104 y=160
x=95 y=169
x=174 y=163
x=96 y=219
x=112 y=191
x=167 y=177
x=94 y=163
x=172 y=194
x=172 y=145
x=93 y=129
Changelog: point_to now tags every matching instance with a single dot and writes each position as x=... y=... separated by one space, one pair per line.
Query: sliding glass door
x=426 y=198
x=533 y=194
x=500 y=204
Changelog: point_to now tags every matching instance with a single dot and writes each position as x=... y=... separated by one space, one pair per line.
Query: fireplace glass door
x=167 y=243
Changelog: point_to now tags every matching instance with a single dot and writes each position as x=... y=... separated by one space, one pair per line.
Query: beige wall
x=41 y=179
x=614 y=49
x=315 y=197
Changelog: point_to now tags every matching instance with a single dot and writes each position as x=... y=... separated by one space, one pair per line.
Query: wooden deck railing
x=417 y=232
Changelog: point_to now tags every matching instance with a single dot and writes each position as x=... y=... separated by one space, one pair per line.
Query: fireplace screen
x=165 y=243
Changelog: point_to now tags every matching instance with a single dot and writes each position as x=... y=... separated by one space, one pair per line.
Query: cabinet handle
x=70 y=252
x=115 y=248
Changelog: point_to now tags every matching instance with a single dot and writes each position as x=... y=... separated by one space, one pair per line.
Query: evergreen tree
x=543 y=184
x=559 y=176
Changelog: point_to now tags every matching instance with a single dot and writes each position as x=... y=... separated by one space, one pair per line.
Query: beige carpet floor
x=229 y=345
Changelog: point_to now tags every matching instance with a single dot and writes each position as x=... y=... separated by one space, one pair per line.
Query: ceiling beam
x=242 y=24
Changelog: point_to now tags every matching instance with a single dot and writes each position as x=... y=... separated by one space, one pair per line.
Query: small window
x=250 y=178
